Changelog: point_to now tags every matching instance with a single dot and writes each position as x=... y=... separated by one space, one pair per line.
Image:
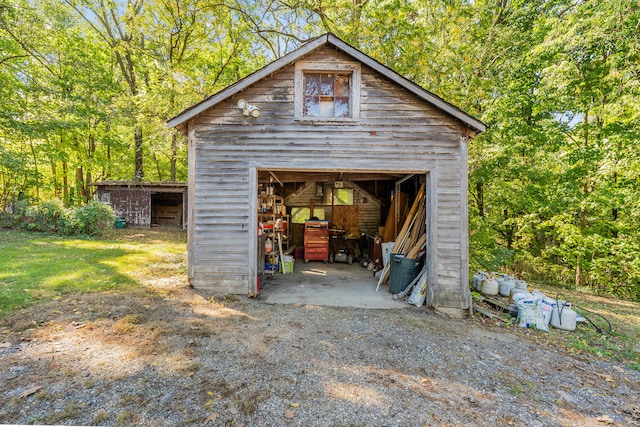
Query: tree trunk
x=480 y=198
x=80 y=184
x=158 y=169
x=35 y=167
x=92 y=145
x=174 y=156
x=508 y=231
x=88 y=189
x=138 y=173
x=65 y=183
x=107 y=174
x=56 y=188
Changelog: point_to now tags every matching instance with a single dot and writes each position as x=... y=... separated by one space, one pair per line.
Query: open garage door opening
x=167 y=209
x=324 y=237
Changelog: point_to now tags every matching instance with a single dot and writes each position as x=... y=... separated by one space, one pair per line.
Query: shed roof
x=324 y=40
x=166 y=185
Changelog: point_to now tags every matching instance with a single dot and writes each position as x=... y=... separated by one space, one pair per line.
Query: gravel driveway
x=174 y=358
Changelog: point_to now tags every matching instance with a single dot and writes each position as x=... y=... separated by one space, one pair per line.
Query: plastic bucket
x=403 y=271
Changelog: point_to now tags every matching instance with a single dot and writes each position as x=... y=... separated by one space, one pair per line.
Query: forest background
x=86 y=87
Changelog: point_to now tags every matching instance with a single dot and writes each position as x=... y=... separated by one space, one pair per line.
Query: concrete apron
x=335 y=285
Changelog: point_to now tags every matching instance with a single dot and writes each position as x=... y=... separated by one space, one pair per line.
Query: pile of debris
x=509 y=295
x=407 y=255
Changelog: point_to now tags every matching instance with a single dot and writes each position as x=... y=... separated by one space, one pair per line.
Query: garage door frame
x=430 y=226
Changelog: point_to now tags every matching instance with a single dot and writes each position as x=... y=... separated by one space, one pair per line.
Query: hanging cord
x=581 y=312
x=558 y=309
x=600 y=330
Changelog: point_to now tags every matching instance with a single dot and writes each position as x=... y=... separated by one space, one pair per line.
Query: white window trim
x=326 y=67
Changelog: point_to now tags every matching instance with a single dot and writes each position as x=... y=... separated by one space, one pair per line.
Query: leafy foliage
x=91 y=219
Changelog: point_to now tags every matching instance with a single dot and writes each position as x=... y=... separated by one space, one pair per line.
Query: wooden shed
x=324 y=114
x=146 y=204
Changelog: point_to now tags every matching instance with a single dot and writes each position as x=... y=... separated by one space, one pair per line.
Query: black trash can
x=403 y=271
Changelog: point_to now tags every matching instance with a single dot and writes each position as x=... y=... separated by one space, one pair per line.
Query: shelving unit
x=273 y=218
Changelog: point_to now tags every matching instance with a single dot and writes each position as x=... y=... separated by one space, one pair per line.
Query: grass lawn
x=36 y=267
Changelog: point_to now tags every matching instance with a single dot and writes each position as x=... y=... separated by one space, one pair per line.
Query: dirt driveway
x=170 y=357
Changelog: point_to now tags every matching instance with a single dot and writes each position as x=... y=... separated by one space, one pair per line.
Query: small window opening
x=327 y=95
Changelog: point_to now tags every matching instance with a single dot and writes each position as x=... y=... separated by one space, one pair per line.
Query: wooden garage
x=321 y=118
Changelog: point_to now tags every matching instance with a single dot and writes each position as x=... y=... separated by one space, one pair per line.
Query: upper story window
x=327 y=95
x=327 y=91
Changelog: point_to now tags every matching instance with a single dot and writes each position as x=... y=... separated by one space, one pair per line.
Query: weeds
x=70 y=411
x=127 y=324
x=101 y=417
x=125 y=418
x=517 y=390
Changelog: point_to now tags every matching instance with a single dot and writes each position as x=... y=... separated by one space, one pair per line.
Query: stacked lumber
x=412 y=236
x=399 y=205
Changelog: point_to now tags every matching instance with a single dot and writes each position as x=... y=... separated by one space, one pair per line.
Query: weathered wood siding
x=395 y=132
x=134 y=204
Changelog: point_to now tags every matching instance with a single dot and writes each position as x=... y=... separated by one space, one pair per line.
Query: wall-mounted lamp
x=247 y=109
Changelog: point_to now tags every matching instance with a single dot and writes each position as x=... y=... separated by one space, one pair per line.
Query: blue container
x=268 y=267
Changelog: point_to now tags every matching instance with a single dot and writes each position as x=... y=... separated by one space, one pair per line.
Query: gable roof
x=331 y=40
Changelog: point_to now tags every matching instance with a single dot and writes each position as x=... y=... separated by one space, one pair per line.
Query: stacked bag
x=536 y=310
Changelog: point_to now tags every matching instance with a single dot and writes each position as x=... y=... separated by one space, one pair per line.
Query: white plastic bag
x=529 y=311
x=419 y=293
x=546 y=306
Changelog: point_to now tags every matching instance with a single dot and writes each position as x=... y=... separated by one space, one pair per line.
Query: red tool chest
x=316 y=241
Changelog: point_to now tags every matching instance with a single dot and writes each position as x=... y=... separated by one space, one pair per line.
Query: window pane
x=327 y=95
x=312 y=106
x=342 y=107
x=300 y=215
x=312 y=84
x=342 y=86
x=326 y=84
x=343 y=196
x=326 y=107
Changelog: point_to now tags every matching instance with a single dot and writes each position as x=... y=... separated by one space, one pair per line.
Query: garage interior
x=355 y=218
x=166 y=209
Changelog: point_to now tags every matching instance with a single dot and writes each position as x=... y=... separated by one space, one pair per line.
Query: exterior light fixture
x=248 y=109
